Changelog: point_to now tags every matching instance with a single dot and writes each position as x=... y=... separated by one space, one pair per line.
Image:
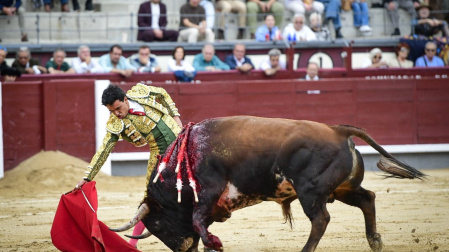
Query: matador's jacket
x=156 y=127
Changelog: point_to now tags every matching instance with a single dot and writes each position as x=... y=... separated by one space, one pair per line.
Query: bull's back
x=249 y=149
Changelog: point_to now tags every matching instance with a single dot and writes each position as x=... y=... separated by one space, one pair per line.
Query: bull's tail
x=387 y=163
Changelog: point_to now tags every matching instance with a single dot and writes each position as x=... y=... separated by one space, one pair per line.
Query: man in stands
x=114 y=62
x=260 y=6
x=145 y=62
x=238 y=60
x=298 y=31
x=269 y=31
x=193 y=25
x=27 y=65
x=208 y=61
x=393 y=11
x=84 y=62
x=7 y=7
x=312 y=71
x=429 y=59
x=273 y=63
x=152 y=22
x=58 y=65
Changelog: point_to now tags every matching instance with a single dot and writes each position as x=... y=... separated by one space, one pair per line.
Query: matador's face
x=119 y=108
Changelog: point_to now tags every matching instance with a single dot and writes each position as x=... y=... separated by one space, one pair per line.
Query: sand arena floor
x=412 y=215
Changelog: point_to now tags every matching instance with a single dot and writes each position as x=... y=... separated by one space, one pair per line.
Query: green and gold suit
x=157 y=128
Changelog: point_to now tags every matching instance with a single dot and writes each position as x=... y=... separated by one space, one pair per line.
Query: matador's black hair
x=111 y=94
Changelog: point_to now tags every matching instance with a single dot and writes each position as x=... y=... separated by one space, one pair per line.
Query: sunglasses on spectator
x=377 y=57
x=430 y=50
x=299 y=22
x=403 y=49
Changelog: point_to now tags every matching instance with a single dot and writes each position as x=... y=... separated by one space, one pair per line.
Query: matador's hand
x=79 y=185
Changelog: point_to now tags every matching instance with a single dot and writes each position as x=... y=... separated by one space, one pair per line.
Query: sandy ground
x=412 y=215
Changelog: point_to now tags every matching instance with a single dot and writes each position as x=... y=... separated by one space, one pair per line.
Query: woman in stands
x=375 y=60
x=183 y=70
x=401 y=60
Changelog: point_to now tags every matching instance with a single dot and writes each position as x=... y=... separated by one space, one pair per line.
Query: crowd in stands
x=195 y=25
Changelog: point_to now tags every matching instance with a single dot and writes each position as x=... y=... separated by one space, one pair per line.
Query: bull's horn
x=143 y=210
x=142 y=236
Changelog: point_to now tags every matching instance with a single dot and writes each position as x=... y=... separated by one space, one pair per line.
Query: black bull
x=242 y=161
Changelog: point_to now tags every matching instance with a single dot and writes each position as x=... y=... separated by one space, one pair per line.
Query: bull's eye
x=157 y=226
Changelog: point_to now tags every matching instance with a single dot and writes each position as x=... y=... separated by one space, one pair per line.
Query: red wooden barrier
x=59 y=114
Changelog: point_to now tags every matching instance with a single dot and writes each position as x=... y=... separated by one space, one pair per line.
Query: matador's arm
x=165 y=99
x=109 y=142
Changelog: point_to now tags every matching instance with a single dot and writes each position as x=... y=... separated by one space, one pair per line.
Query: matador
x=145 y=115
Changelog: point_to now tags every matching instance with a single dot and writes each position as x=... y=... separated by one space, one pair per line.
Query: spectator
x=27 y=65
x=226 y=7
x=332 y=12
x=58 y=65
x=427 y=25
x=401 y=60
x=268 y=31
x=48 y=5
x=298 y=31
x=393 y=12
x=272 y=64
x=144 y=61
x=3 y=53
x=10 y=74
x=9 y=8
x=312 y=71
x=84 y=62
x=183 y=70
x=207 y=61
x=375 y=60
x=152 y=22
x=305 y=6
x=88 y=6
x=238 y=60
x=361 y=16
x=429 y=59
x=316 y=25
x=209 y=9
x=114 y=62
x=193 y=24
x=259 y=6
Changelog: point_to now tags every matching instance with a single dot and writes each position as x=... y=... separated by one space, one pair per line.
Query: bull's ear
x=141 y=212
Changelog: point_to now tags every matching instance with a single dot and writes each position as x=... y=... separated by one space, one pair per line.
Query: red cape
x=76 y=227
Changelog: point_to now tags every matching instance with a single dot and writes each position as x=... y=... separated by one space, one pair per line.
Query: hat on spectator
x=374 y=51
x=423 y=5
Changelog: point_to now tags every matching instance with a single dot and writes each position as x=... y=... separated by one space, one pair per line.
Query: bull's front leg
x=200 y=224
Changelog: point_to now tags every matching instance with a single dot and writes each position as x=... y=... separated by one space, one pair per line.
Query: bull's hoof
x=375 y=242
x=212 y=243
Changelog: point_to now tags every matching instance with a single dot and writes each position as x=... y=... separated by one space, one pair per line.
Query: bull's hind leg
x=350 y=192
x=315 y=208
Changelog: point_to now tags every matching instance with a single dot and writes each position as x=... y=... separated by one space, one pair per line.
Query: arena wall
x=59 y=114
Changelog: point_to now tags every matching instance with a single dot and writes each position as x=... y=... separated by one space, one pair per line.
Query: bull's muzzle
x=186 y=244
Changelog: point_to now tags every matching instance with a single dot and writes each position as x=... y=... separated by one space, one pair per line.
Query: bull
x=235 y=162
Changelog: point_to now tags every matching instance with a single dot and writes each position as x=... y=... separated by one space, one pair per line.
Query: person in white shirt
x=273 y=63
x=375 y=60
x=298 y=31
x=312 y=71
x=177 y=62
x=84 y=62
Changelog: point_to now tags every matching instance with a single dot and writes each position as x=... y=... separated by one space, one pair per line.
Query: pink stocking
x=138 y=229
